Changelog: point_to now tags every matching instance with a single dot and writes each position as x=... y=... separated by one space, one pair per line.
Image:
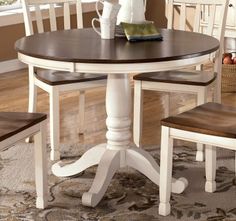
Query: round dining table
x=82 y=50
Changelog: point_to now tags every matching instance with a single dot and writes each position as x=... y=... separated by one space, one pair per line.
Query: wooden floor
x=14 y=97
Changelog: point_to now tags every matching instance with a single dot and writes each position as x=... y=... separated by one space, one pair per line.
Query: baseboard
x=11 y=65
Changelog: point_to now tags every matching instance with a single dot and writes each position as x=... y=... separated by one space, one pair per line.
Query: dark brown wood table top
x=86 y=46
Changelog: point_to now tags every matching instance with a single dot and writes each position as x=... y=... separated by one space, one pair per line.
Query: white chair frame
x=167 y=136
x=55 y=89
x=40 y=155
x=200 y=91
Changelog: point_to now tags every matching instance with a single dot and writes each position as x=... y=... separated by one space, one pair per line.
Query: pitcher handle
x=99 y=1
x=94 y=28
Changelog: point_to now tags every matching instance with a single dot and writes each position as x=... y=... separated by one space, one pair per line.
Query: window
x=9 y=4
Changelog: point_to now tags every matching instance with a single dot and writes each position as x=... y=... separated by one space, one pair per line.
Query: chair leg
x=235 y=164
x=138 y=113
x=165 y=171
x=210 y=168
x=81 y=111
x=199 y=67
x=201 y=99
x=32 y=96
x=218 y=70
x=166 y=104
x=215 y=93
x=54 y=124
x=32 y=91
x=41 y=179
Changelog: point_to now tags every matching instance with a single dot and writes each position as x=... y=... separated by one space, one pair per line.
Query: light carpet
x=130 y=196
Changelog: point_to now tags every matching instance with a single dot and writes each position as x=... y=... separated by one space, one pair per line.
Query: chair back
x=39 y=10
x=207 y=16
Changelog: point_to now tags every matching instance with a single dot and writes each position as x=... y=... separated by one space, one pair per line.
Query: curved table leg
x=145 y=163
x=90 y=158
x=117 y=152
x=109 y=164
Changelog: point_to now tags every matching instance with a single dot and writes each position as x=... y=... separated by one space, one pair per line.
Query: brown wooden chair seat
x=16 y=126
x=12 y=123
x=210 y=118
x=52 y=77
x=201 y=78
x=176 y=81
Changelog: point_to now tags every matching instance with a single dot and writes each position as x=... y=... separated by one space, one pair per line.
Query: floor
x=139 y=201
x=14 y=97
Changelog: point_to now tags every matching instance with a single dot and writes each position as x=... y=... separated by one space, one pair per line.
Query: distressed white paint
x=54 y=90
x=211 y=141
x=216 y=24
x=41 y=169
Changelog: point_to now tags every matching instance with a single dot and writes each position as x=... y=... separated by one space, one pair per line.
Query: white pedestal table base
x=116 y=153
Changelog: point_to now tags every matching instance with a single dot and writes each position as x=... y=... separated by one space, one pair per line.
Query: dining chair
x=197 y=81
x=58 y=81
x=212 y=124
x=16 y=126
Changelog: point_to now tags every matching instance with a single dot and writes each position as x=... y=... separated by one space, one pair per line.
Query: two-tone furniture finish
x=57 y=81
x=84 y=51
x=16 y=126
x=197 y=82
x=211 y=124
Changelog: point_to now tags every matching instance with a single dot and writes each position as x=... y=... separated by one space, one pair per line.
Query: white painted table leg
x=118 y=108
x=90 y=158
x=41 y=171
x=109 y=164
x=117 y=152
x=210 y=168
x=145 y=163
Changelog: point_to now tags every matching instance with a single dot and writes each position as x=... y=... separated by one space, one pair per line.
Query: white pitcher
x=131 y=11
